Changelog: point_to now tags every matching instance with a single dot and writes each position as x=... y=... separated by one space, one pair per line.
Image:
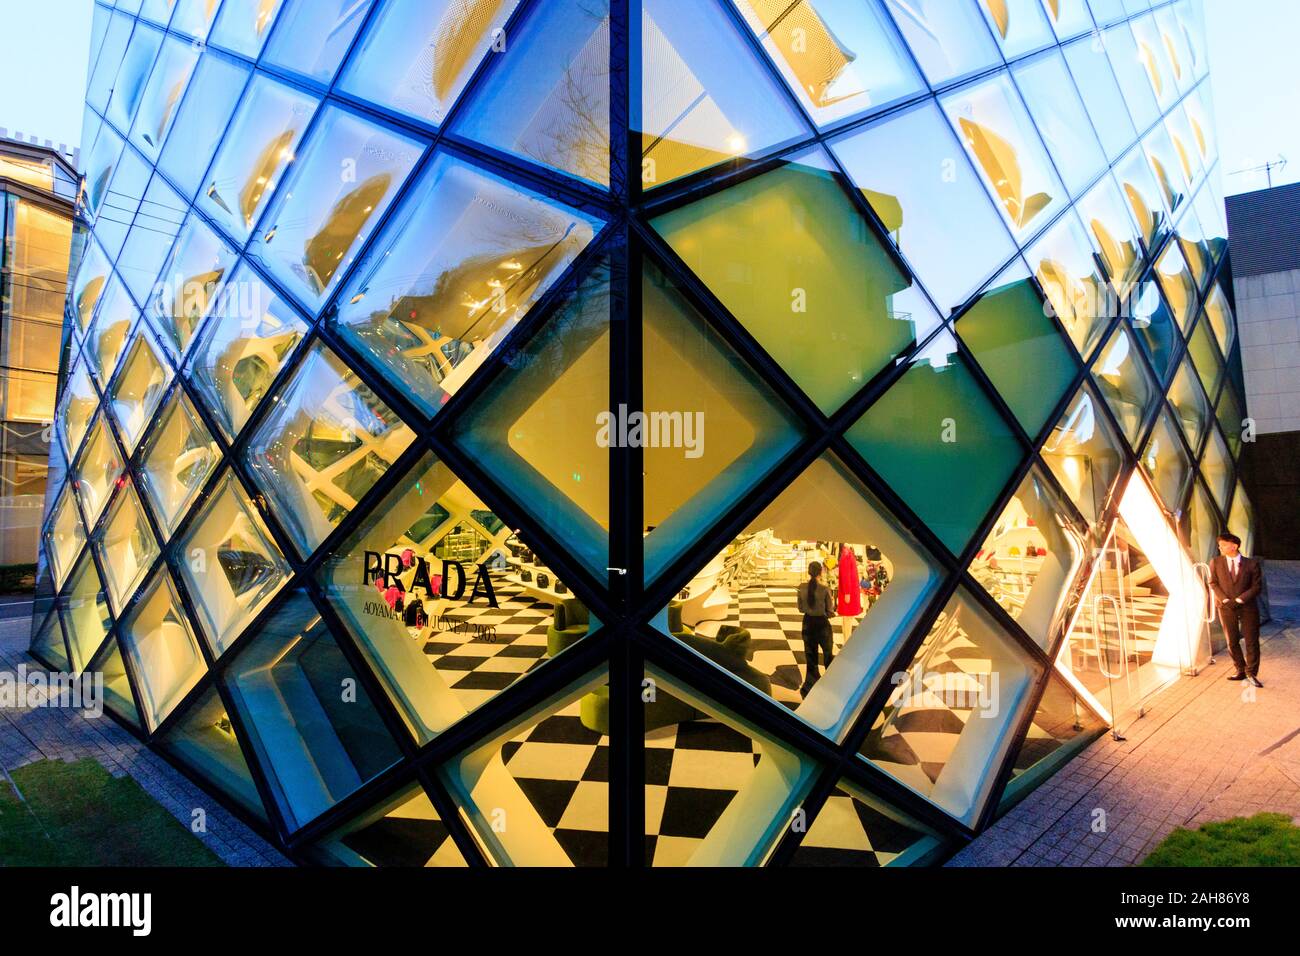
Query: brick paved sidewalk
x=1203 y=752
x=61 y=733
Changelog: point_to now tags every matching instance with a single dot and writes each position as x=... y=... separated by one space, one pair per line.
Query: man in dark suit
x=1236 y=581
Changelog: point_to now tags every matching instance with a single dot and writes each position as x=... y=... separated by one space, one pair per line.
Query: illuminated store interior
x=456 y=395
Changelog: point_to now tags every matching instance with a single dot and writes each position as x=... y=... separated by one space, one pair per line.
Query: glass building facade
x=467 y=531
x=37 y=187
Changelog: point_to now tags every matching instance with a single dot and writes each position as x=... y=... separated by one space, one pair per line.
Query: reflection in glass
x=1205 y=356
x=1231 y=419
x=852 y=308
x=1176 y=279
x=126 y=547
x=91 y=276
x=1100 y=93
x=201 y=120
x=522 y=432
x=1019 y=348
x=1113 y=234
x=1164 y=165
x=839 y=57
x=253 y=333
x=107 y=339
x=65 y=537
x=162 y=96
x=128 y=87
x=1202 y=524
x=1150 y=319
x=323 y=445
x=117 y=686
x=693 y=380
x=85 y=613
x=1060 y=116
x=1075 y=286
x=417 y=55
x=896 y=165
x=1062 y=725
x=1084 y=454
x=854 y=828
x=1190 y=406
x=48 y=646
x=189 y=280
x=1125 y=383
x=138 y=387
x=1131 y=74
x=453 y=274
x=1001 y=139
x=204 y=740
x=313 y=36
x=1166 y=461
x=1143 y=195
x=1032 y=557
x=1219 y=314
x=948 y=724
x=254 y=154
x=947 y=39
x=1216 y=468
x=941 y=444
x=321 y=218
x=547 y=97
x=80 y=400
x=1018 y=25
x=163 y=652
x=1241 y=520
x=177 y=461
x=244 y=25
x=98 y=470
x=232 y=565
x=314 y=744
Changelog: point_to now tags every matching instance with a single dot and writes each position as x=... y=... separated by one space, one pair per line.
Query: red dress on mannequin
x=850 y=596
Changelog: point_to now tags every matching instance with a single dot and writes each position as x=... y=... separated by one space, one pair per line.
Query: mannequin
x=849 y=605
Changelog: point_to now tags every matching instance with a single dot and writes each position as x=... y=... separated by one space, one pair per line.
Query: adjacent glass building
x=457 y=391
x=37 y=188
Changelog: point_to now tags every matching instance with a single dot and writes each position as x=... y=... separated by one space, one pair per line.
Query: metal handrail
x=1120 y=626
x=1207 y=620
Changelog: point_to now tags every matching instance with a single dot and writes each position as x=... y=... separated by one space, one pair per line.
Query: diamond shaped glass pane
x=1004 y=145
x=65 y=536
x=705 y=99
x=545 y=775
x=108 y=337
x=1018 y=25
x=1125 y=383
x=1097 y=87
x=403 y=831
x=1032 y=557
x=92 y=276
x=739 y=609
x=320 y=219
x=693 y=380
x=893 y=164
x=164 y=654
x=1075 y=285
x=1062 y=725
x=823 y=275
x=98 y=470
x=138 y=388
x=1057 y=111
x=204 y=740
x=1189 y=403
x=126 y=546
x=417 y=55
x=1150 y=318
x=256 y=149
x=1143 y=195
x=454 y=272
x=230 y=564
x=947 y=39
x=1020 y=349
x=326 y=442
x=840 y=57
x=1221 y=320
x=1195 y=246
x=1166 y=462
x=85 y=613
x=131 y=76
x=244 y=25
x=854 y=828
x=162 y=95
x=522 y=430
x=47 y=643
x=1203 y=524
x=438 y=610
x=201 y=120
x=1205 y=356
x=1168 y=174
x=940 y=443
x=80 y=400
x=194 y=18
x=315 y=743
x=253 y=333
x=1232 y=420
x=546 y=97
x=314 y=35
x=952 y=720
x=1138 y=96
x=118 y=698
x=1084 y=454
x=1216 y=468
x=177 y=461
x=1114 y=237
x=718 y=792
x=188 y=284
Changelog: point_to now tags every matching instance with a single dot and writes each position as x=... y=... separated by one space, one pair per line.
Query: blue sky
x=1254 y=63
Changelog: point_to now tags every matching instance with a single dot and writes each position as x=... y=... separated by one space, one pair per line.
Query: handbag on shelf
x=525 y=575
x=543 y=580
x=560 y=588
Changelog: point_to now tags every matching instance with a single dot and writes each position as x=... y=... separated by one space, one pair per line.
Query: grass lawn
x=78 y=814
x=1266 y=839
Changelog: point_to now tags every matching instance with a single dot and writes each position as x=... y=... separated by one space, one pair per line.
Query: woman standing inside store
x=817 y=608
x=850 y=592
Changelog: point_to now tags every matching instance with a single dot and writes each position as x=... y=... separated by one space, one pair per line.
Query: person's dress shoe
x=1236 y=677
x=1256 y=681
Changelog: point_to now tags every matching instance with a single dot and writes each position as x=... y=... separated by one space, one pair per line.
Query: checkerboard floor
x=478 y=667
x=849 y=832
